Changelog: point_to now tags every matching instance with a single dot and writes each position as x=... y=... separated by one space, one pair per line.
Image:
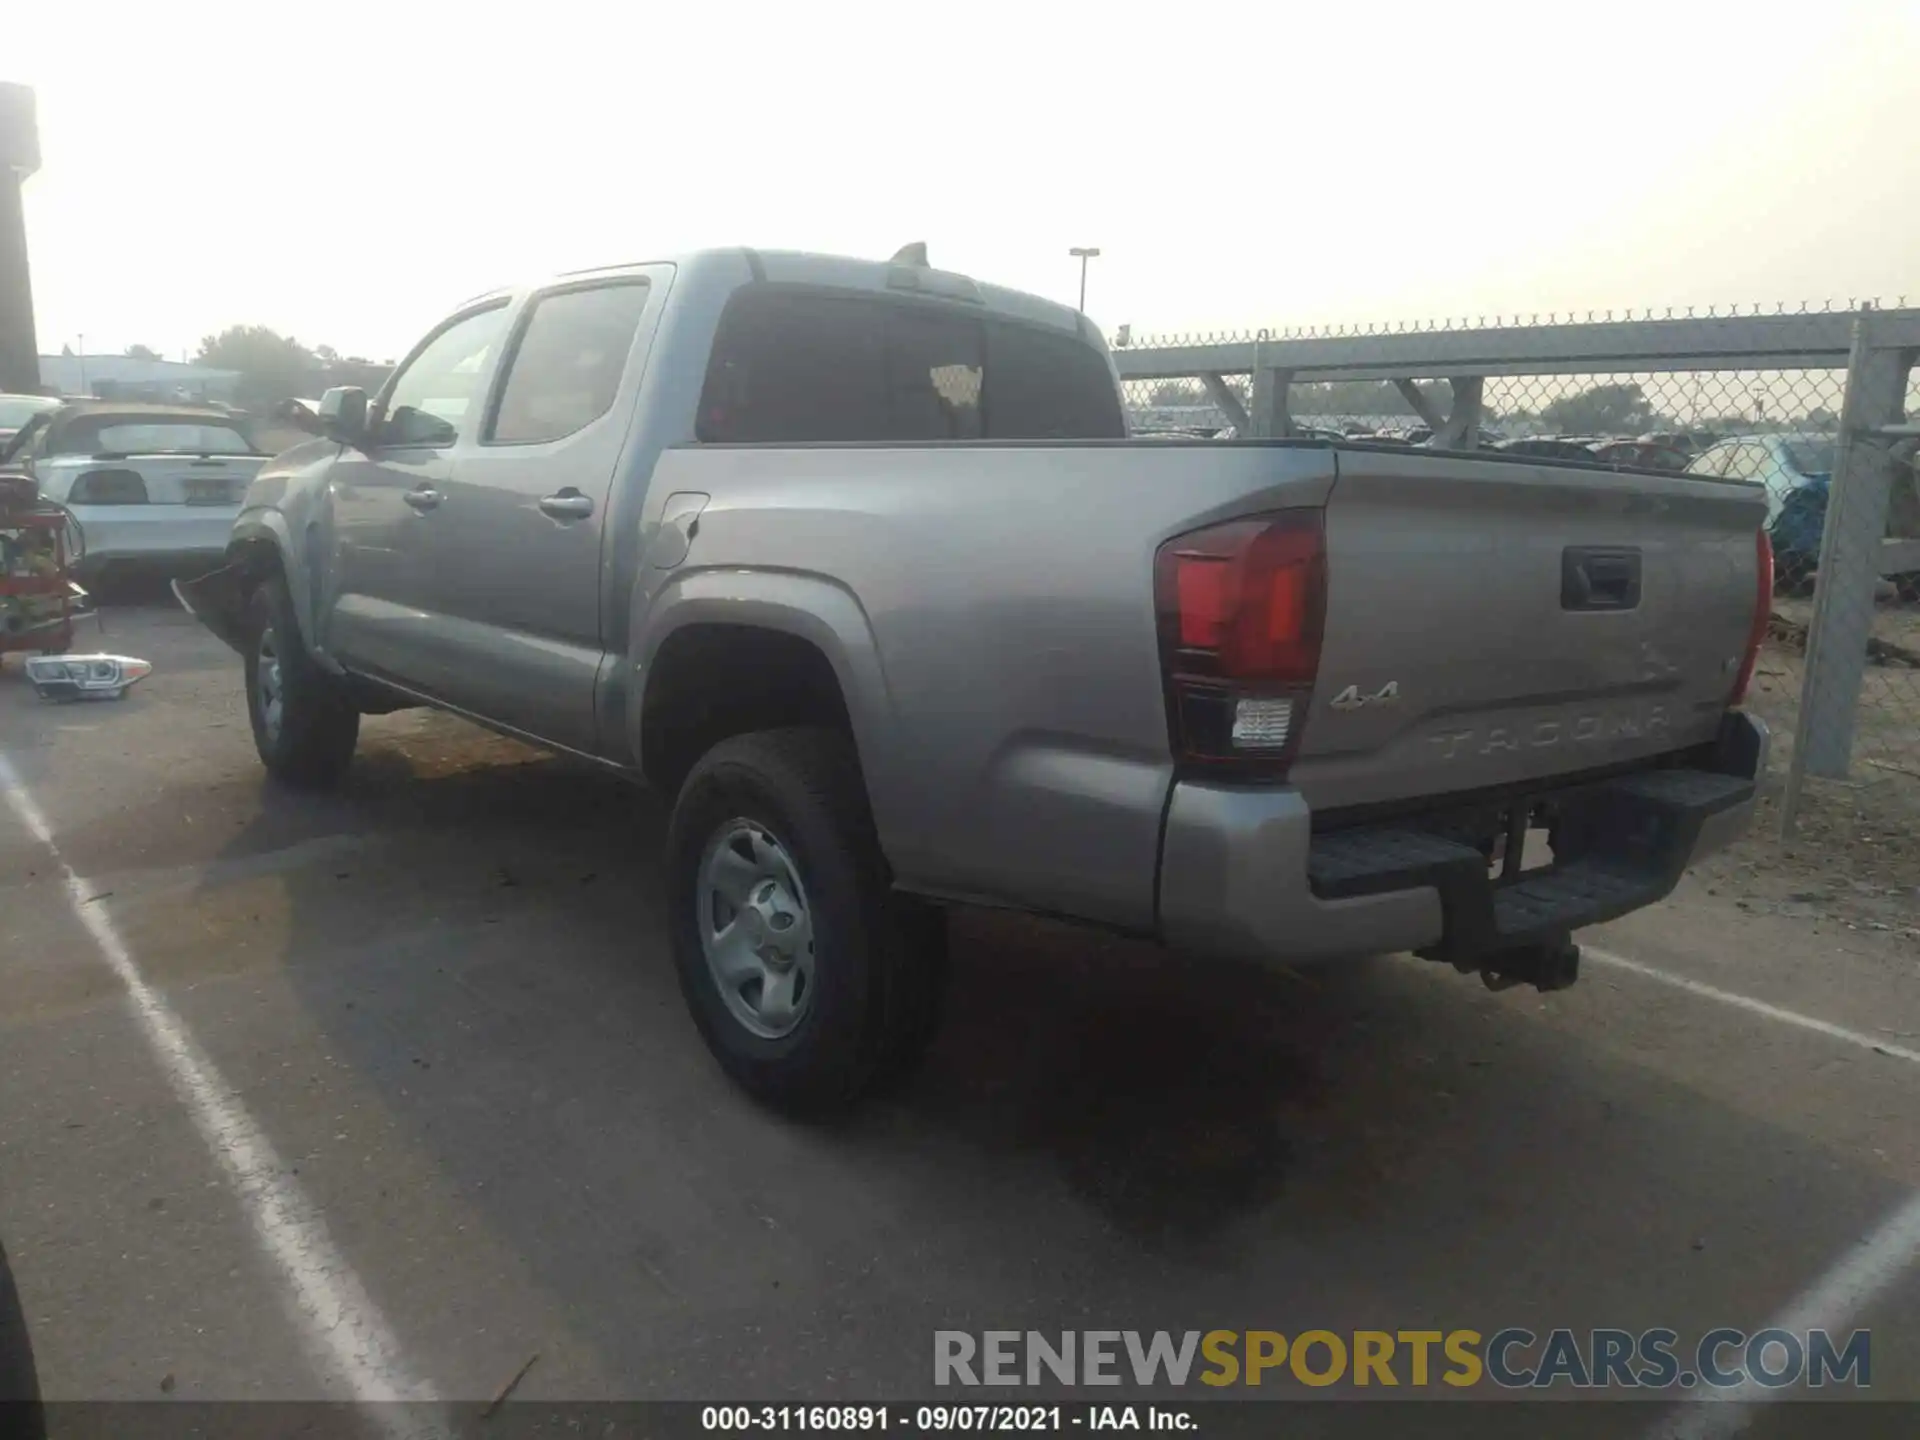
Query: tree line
x=273 y=367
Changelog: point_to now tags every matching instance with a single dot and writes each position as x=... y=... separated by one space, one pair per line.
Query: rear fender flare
x=808 y=607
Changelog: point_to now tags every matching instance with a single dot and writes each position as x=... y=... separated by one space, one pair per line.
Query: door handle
x=423 y=497
x=1599 y=578
x=568 y=504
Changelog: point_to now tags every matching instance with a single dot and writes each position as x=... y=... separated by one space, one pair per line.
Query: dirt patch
x=1854 y=856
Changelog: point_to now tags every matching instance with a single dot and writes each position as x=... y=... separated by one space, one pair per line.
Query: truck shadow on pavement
x=1162 y=1088
x=1155 y=1087
x=1099 y=1123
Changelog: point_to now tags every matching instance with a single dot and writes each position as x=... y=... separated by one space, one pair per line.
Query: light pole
x=1083 y=254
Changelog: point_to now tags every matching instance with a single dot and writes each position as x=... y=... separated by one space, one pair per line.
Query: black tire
x=878 y=958
x=318 y=726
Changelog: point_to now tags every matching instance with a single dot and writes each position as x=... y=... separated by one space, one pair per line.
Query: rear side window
x=565 y=369
x=793 y=365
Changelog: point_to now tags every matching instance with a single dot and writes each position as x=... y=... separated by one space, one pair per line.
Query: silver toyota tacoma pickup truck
x=856 y=560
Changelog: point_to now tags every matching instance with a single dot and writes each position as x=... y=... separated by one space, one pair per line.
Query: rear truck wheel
x=809 y=978
x=304 y=727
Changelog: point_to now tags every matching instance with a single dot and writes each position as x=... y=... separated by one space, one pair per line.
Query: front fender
x=218 y=601
x=287 y=517
x=808 y=607
x=260 y=540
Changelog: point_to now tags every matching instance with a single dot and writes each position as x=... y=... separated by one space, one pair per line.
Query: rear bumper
x=1243 y=873
x=159 y=533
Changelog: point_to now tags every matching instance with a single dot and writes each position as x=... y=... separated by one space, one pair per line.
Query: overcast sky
x=347 y=173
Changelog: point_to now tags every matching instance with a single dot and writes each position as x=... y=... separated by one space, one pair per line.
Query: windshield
x=151 y=435
x=16 y=410
x=1810 y=457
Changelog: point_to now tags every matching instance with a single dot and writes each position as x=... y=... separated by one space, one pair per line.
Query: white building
x=121 y=377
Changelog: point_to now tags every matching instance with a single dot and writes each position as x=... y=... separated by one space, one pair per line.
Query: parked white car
x=17 y=410
x=154 y=483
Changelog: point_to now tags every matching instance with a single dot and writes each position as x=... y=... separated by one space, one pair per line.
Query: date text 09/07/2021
x=935 y=1419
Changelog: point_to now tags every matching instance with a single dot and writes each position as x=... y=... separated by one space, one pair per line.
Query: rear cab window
x=795 y=365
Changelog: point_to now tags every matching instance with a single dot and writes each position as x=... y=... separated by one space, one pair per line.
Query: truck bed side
x=1019 y=750
x=1014 y=728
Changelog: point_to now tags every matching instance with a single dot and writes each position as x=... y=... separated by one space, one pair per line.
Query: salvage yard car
x=857 y=562
x=1796 y=472
x=152 y=483
x=17 y=410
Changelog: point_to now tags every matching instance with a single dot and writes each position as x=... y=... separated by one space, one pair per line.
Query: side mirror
x=343 y=414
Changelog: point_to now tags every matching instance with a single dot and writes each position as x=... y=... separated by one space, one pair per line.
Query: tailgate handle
x=1599 y=578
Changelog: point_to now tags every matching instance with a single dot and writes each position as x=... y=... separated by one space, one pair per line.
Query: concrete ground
x=389 y=1092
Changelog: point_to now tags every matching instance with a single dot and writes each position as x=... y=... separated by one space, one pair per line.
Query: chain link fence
x=1843 y=486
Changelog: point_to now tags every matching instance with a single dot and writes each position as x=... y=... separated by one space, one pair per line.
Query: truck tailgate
x=1493 y=621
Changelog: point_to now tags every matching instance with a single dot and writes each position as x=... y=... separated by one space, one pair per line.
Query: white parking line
x=1832 y=1304
x=1852 y=1283
x=336 y=1317
x=1754 y=1007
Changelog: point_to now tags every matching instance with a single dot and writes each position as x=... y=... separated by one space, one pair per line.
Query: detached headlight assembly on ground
x=85 y=677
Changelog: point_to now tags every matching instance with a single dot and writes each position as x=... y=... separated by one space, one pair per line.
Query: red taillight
x=1200 y=583
x=1241 y=609
x=1762 y=612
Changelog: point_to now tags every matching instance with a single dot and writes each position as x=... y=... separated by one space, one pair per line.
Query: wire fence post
x=1271 y=420
x=1851 y=552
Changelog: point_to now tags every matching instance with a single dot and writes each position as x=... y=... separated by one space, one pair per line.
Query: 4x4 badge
x=1351 y=698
